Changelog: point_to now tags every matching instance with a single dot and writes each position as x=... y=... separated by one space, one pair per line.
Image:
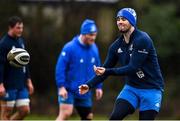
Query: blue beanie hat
x=88 y=26
x=129 y=14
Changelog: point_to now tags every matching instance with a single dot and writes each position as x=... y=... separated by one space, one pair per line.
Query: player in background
x=135 y=51
x=74 y=67
x=15 y=83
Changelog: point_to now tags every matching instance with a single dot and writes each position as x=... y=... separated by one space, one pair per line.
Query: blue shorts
x=75 y=100
x=144 y=99
x=15 y=94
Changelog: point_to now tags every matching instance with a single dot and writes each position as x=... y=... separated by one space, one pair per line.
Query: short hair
x=14 y=20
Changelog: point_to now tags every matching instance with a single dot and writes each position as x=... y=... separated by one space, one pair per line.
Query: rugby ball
x=18 y=57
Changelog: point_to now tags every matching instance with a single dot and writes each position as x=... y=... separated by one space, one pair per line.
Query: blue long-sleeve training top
x=12 y=77
x=75 y=65
x=138 y=60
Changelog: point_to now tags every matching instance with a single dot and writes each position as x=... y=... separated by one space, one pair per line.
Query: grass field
x=39 y=117
x=96 y=117
x=44 y=117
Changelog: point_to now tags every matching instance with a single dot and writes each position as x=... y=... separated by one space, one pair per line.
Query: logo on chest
x=81 y=60
x=130 y=50
x=131 y=47
x=92 y=60
x=22 y=46
x=119 y=50
x=13 y=47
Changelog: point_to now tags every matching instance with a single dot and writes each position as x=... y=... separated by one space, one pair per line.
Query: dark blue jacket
x=138 y=60
x=75 y=65
x=11 y=77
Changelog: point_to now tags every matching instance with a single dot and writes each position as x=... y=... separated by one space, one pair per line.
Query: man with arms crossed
x=135 y=51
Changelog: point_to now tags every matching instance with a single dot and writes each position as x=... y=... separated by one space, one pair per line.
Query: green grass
x=74 y=117
x=39 y=117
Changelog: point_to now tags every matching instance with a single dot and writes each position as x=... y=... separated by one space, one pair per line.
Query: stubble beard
x=124 y=31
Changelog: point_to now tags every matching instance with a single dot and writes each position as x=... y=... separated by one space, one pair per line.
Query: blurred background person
x=15 y=82
x=74 y=67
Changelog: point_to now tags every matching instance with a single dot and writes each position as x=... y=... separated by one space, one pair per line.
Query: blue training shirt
x=75 y=65
x=12 y=77
x=138 y=59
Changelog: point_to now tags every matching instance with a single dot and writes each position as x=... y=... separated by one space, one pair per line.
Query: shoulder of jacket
x=142 y=37
x=116 y=43
x=4 y=42
x=69 y=44
x=94 y=46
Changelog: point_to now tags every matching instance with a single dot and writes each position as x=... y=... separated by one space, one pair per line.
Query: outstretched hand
x=99 y=70
x=83 y=89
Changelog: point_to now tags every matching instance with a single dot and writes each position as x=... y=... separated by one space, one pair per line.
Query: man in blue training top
x=15 y=83
x=75 y=67
x=135 y=51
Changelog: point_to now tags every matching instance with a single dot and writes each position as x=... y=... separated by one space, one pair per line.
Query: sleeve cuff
x=108 y=72
x=60 y=85
x=99 y=86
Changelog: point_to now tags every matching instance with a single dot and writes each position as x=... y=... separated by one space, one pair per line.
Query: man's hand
x=2 y=90
x=99 y=70
x=30 y=87
x=99 y=94
x=83 y=89
x=63 y=92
